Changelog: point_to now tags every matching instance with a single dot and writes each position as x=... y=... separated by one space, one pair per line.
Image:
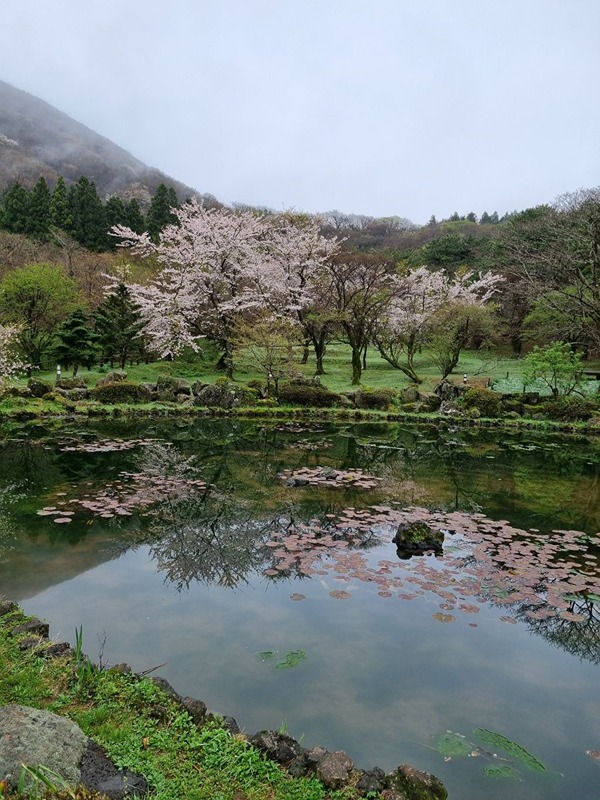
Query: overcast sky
x=378 y=107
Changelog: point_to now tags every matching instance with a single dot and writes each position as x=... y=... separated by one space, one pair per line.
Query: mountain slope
x=36 y=139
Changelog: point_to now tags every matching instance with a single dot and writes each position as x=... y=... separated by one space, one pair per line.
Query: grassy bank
x=145 y=731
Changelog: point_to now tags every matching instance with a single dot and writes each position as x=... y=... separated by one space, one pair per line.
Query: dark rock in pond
x=114 y=376
x=371 y=780
x=33 y=626
x=196 y=709
x=416 y=785
x=417 y=537
x=277 y=746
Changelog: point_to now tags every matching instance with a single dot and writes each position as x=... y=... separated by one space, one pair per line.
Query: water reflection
x=217 y=559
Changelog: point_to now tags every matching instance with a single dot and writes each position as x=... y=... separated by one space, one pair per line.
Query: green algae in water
x=512 y=748
x=453 y=745
x=502 y=771
x=292 y=659
x=266 y=655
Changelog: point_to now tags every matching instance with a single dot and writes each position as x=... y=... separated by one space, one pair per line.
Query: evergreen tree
x=76 y=342
x=39 y=210
x=115 y=211
x=472 y=216
x=485 y=219
x=159 y=213
x=118 y=325
x=60 y=211
x=15 y=209
x=89 y=218
x=134 y=218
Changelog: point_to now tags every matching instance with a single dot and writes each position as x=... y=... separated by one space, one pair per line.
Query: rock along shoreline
x=31 y=736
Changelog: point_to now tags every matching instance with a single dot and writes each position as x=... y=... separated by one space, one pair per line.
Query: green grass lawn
x=378 y=374
x=503 y=370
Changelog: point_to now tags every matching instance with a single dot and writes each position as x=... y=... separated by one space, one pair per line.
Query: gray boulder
x=39 y=738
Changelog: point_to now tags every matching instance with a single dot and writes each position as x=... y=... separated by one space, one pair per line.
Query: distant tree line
x=79 y=212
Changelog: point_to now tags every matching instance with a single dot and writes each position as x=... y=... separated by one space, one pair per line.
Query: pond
x=255 y=562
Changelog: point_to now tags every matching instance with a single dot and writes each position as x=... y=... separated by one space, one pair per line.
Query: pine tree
x=15 y=209
x=159 y=213
x=60 y=212
x=118 y=325
x=76 y=342
x=134 y=218
x=89 y=218
x=39 y=210
x=115 y=213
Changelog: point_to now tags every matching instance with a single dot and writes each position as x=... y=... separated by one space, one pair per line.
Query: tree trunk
x=305 y=351
x=356 y=365
x=319 y=348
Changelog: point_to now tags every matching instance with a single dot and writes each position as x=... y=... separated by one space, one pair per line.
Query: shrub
x=120 y=392
x=300 y=394
x=375 y=398
x=568 y=408
x=486 y=401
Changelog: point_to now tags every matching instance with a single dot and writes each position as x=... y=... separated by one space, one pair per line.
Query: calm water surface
x=283 y=604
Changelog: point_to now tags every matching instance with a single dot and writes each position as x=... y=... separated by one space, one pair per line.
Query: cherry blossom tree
x=10 y=362
x=418 y=301
x=216 y=264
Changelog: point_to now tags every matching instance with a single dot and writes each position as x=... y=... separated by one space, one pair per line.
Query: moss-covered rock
x=120 y=392
x=38 y=388
x=416 y=785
